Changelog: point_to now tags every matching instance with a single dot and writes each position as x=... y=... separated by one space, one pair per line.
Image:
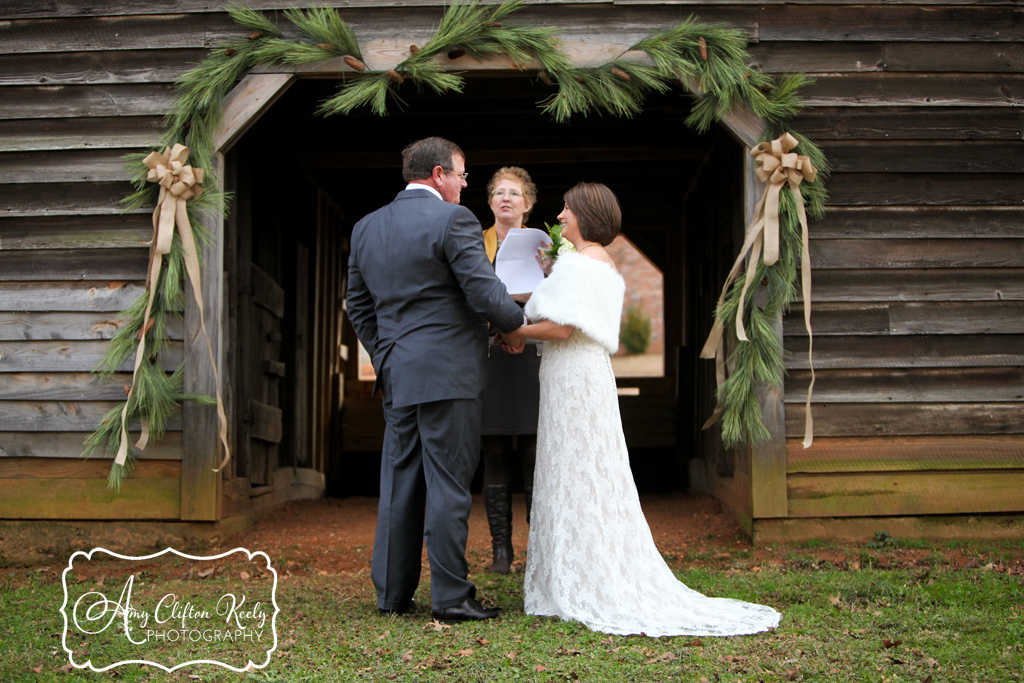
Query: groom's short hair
x=420 y=157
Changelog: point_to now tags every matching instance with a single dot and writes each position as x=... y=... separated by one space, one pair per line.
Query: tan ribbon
x=178 y=182
x=777 y=167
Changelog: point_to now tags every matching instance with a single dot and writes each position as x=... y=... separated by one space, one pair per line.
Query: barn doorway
x=300 y=395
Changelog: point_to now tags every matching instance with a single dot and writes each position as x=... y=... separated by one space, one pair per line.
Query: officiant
x=513 y=389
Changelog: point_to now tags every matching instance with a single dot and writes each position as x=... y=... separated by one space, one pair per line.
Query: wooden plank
x=945 y=222
x=118 y=132
x=905 y=493
x=82 y=468
x=69 y=326
x=909 y=123
x=82 y=499
x=93 y=68
x=73 y=264
x=829 y=22
x=864 y=56
x=924 y=157
x=906 y=419
x=70 y=356
x=202 y=452
x=79 y=232
x=67 y=444
x=945 y=385
x=64 y=199
x=267 y=293
x=923 y=189
x=949 y=317
x=919 y=90
x=60 y=416
x=103 y=33
x=525 y=156
x=73 y=166
x=246 y=103
x=857 y=530
x=266 y=421
x=62 y=386
x=928 y=284
x=917 y=253
x=906 y=453
x=68 y=101
x=112 y=296
x=915 y=351
x=838 y=319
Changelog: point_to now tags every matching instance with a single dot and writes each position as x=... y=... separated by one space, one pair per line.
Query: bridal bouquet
x=559 y=245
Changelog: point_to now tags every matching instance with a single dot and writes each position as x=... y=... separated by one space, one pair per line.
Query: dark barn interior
x=302 y=180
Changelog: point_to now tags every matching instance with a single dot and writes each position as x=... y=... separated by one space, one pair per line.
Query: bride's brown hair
x=597 y=211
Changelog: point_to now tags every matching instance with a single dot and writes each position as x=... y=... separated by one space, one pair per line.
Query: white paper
x=516 y=263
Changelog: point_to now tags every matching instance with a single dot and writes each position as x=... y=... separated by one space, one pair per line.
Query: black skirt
x=512 y=400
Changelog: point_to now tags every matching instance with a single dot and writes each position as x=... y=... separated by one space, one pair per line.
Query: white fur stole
x=584 y=293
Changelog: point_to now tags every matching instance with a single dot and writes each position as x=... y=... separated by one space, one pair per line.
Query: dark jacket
x=420 y=293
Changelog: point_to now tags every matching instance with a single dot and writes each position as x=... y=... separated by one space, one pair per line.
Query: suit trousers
x=431 y=451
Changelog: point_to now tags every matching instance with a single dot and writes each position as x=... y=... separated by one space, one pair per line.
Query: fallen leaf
x=929 y=662
x=379 y=650
x=407 y=657
x=511 y=654
x=835 y=599
x=245 y=576
x=383 y=635
x=465 y=653
x=205 y=573
x=482 y=641
x=608 y=641
x=564 y=651
x=541 y=667
x=755 y=569
x=666 y=657
x=38 y=669
x=436 y=625
x=891 y=643
x=99 y=581
x=927 y=679
x=696 y=642
x=791 y=675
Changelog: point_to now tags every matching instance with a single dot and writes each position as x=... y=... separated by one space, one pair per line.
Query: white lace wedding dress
x=591 y=556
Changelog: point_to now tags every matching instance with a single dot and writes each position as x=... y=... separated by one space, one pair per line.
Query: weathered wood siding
x=919 y=266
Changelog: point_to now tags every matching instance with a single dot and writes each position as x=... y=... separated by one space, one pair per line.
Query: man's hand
x=514 y=341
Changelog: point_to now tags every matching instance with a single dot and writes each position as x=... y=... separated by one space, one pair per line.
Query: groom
x=420 y=292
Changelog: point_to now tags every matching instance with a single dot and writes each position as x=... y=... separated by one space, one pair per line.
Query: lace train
x=591 y=555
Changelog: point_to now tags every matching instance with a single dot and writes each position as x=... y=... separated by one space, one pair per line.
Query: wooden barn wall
x=919 y=265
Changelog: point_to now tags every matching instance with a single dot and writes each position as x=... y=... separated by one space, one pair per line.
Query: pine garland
x=712 y=57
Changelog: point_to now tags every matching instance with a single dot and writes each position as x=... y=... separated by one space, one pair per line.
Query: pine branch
x=370 y=91
x=251 y=19
x=325 y=26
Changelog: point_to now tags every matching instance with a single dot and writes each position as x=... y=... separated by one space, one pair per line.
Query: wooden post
x=200 y=485
x=768 y=459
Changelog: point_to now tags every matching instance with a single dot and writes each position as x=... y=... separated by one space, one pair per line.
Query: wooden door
x=265 y=369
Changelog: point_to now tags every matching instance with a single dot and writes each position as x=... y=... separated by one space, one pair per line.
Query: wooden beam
x=896 y=318
x=70 y=356
x=924 y=189
x=73 y=264
x=906 y=453
x=909 y=123
x=61 y=416
x=70 y=326
x=201 y=449
x=549 y=155
x=917 y=253
x=81 y=468
x=914 y=90
x=942 y=222
x=925 y=284
x=918 y=385
x=246 y=103
x=112 y=132
x=905 y=493
x=911 y=351
x=859 y=530
x=767 y=459
x=62 y=386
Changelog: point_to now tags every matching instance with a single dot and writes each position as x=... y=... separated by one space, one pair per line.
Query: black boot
x=498 y=501
x=528 y=492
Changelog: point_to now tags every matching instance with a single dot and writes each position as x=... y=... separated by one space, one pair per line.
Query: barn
x=918 y=286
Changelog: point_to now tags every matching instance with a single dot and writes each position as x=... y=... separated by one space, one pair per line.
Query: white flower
x=565 y=248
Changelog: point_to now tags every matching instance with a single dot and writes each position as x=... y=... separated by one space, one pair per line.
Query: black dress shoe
x=401 y=609
x=468 y=610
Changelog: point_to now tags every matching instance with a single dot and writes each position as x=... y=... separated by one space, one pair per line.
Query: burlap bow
x=778 y=167
x=178 y=182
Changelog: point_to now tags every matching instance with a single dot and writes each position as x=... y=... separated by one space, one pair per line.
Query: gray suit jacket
x=420 y=292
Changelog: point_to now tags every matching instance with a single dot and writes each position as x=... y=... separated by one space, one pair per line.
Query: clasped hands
x=513 y=342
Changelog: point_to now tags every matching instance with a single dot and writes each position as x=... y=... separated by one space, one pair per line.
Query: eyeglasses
x=513 y=194
x=462 y=175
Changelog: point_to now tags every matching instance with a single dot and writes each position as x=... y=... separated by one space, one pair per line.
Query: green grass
x=924 y=621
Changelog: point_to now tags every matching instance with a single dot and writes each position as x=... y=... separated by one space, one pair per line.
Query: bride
x=591 y=557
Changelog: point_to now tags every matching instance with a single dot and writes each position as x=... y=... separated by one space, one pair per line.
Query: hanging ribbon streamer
x=777 y=166
x=178 y=182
